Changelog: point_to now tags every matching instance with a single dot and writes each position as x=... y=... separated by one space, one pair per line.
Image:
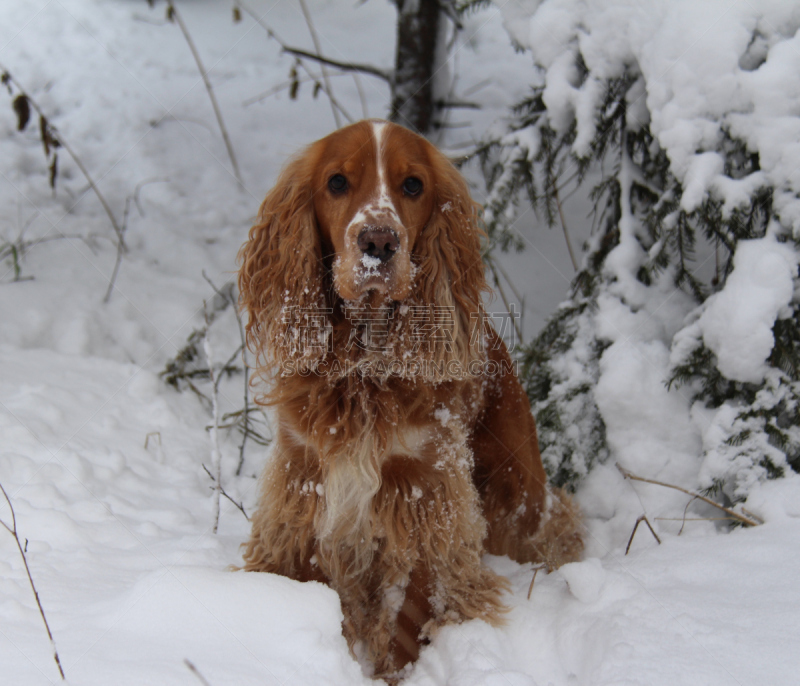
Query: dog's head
x=371 y=214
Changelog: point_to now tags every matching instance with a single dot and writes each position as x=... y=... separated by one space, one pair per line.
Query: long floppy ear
x=450 y=265
x=281 y=274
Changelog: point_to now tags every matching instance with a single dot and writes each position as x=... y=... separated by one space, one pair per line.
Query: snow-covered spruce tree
x=688 y=141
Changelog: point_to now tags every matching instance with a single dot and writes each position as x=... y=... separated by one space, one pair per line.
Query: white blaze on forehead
x=384 y=200
x=379 y=207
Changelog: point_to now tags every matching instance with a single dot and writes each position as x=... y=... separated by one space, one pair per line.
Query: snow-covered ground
x=104 y=462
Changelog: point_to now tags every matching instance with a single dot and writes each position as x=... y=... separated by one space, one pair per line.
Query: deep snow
x=104 y=462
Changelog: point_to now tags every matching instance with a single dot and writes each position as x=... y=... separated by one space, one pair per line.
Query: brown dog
x=405 y=443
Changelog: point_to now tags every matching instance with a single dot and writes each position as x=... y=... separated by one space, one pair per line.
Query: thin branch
x=361 y=96
x=13 y=531
x=564 y=227
x=174 y=14
x=506 y=301
x=344 y=66
x=196 y=672
x=56 y=134
x=685 y=511
x=243 y=348
x=117 y=263
x=274 y=36
x=216 y=455
x=510 y=283
x=535 y=572
x=641 y=519
x=735 y=515
x=318 y=48
x=224 y=493
x=124 y=227
x=457 y=104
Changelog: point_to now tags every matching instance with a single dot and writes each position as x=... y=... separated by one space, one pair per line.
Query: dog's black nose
x=380 y=243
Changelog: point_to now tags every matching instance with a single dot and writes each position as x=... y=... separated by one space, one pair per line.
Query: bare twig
x=746 y=521
x=318 y=48
x=216 y=455
x=344 y=66
x=685 y=511
x=361 y=96
x=535 y=572
x=519 y=296
x=692 y=519
x=564 y=227
x=274 y=36
x=172 y=13
x=114 y=272
x=246 y=430
x=54 y=135
x=13 y=531
x=457 y=104
x=225 y=494
x=196 y=672
x=641 y=519
x=506 y=301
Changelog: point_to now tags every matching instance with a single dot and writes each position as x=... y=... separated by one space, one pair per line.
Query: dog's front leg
x=282 y=540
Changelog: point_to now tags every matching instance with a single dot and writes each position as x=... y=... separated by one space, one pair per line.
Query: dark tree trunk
x=413 y=99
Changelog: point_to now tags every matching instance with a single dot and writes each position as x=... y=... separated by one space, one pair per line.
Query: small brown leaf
x=23 y=110
x=237 y=14
x=170 y=13
x=295 y=85
x=317 y=89
x=44 y=134
x=5 y=79
x=54 y=172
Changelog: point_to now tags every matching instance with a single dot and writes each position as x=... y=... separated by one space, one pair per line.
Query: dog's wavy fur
x=385 y=485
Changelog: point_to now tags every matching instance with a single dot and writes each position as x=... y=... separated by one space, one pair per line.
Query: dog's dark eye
x=412 y=186
x=337 y=183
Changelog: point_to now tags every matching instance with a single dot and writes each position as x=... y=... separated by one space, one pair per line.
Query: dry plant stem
x=361 y=96
x=735 y=515
x=117 y=263
x=155 y=435
x=271 y=34
x=77 y=160
x=641 y=519
x=196 y=672
x=216 y=456
x=318 y=48
x=209 y=89
x=535 y=572
x=246 y=370
x=564 y=227
x=238 y=505
x=685 y=511
x=13 y=531
x=692 y=519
